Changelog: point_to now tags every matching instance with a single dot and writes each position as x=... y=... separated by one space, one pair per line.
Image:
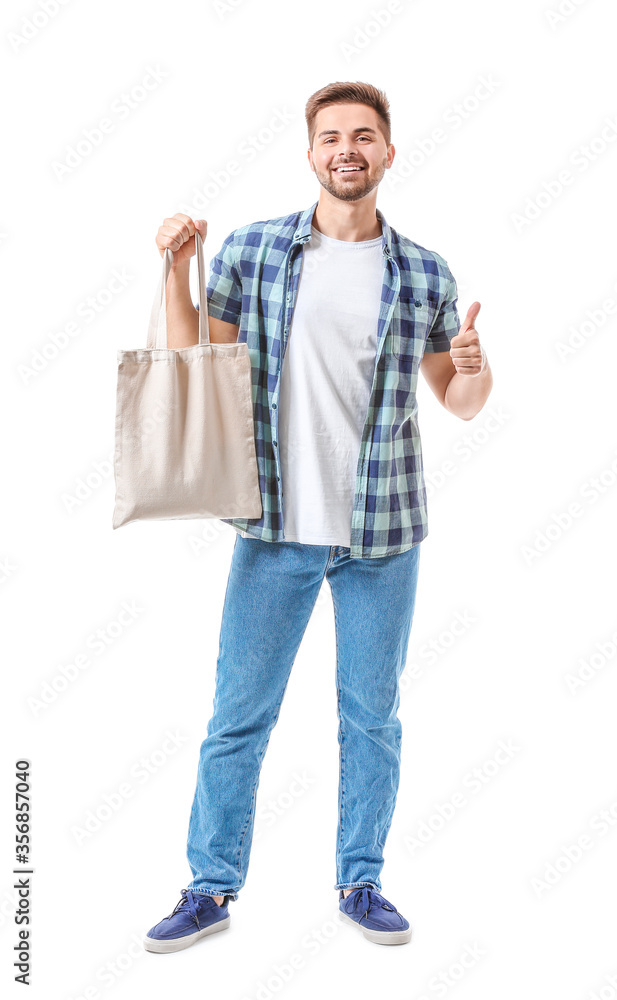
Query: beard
x=353 y=189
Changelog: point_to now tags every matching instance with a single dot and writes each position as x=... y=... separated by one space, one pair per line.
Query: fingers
x=176 y=232
x=469 y=360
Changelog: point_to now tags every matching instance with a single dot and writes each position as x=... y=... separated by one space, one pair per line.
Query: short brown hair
x=348 y=93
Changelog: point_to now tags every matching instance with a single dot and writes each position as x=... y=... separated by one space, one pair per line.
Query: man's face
x=349 y=135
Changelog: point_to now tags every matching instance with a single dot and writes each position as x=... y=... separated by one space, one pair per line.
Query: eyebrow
x=335 y=131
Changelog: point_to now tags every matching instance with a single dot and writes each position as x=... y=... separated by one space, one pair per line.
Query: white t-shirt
x=326 y=381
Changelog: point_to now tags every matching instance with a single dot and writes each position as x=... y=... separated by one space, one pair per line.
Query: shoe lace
x=188 y=900
x=368 y=898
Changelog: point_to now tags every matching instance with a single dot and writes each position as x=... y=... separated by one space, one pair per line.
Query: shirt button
x=274 y=443
x=274 y=406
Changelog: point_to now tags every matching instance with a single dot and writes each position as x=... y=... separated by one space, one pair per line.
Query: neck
x=347 y=220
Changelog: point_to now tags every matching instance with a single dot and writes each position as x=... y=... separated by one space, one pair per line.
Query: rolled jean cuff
x=357 y=885
x=216 y=892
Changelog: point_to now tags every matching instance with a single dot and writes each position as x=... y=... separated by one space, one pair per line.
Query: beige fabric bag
x=184 y=439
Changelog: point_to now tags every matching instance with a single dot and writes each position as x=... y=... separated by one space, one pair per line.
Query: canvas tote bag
x=184 y=433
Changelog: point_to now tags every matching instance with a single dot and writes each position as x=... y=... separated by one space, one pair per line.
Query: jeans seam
x=342 y=735
x=251 y=807
x=254 y=796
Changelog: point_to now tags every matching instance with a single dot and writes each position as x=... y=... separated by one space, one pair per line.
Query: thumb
x=472 y=313
x=201 y=225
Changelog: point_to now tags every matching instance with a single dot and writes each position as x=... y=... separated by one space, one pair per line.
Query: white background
x=538 y=598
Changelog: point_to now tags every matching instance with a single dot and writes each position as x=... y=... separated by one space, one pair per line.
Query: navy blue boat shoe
x=194 y=916
x=376 y=917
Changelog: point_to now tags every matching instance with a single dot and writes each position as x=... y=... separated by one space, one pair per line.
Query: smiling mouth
x=345 y=170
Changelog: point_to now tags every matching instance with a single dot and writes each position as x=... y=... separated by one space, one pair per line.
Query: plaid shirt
x=254 y=283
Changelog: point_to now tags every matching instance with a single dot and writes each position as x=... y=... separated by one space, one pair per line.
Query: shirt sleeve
x=224 y=289
x=446 y=323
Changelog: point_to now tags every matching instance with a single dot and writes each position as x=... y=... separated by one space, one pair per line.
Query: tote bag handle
x=157 y=330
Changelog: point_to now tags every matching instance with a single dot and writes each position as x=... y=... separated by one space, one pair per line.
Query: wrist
x=181 y=265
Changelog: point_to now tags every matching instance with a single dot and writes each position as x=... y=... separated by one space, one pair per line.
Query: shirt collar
x=303 y=229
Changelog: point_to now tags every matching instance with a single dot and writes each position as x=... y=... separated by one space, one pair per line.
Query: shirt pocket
x=411 y=325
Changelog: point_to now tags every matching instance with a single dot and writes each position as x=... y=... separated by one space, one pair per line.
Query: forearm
x=182 y=317
x=466 y=394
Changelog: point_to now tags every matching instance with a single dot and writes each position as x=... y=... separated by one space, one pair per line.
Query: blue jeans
x=271 y=592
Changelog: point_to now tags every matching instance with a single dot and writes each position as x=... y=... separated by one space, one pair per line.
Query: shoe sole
x=163 y=947
x=378 y=937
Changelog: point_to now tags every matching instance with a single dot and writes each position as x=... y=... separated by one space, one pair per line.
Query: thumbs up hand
x=468 y=355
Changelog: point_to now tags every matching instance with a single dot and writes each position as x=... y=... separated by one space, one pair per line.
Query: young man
x=355 y=310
